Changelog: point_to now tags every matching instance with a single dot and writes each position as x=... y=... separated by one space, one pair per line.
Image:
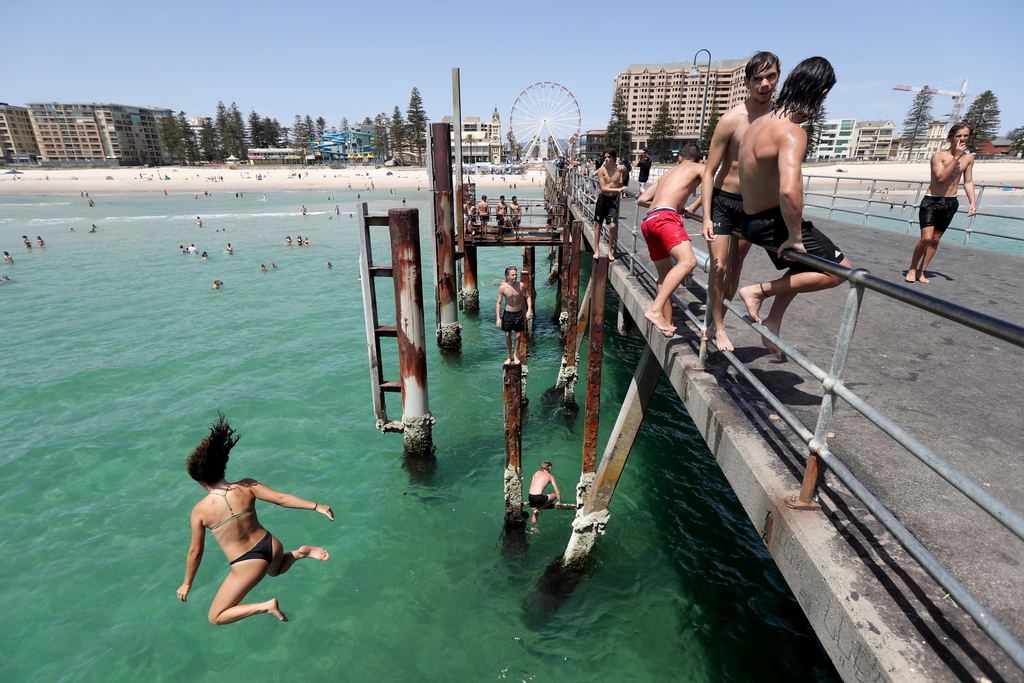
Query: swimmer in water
x=229 y=249
x=251 y=550
x=9 y=259
x=217 y=284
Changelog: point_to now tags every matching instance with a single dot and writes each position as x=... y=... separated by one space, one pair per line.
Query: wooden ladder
x=368 y=274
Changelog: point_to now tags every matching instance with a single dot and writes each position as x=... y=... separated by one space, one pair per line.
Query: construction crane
x=958 y=97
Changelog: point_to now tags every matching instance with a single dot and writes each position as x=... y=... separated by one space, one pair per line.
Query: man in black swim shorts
x=538 y=499
x=512 y=320
x=772 y=188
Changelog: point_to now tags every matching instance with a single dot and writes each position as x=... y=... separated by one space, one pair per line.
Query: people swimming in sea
x=229 y=512
x=204 y=256
x=229 y=249
x=263 y=267
x=273 y=265
x=288 y=241
x=40 y=242
x=217 y=284
x=93 y=228
x=9 y=259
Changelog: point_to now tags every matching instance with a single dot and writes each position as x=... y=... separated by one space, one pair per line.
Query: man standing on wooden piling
x=665 y=234
x=512 y=320
x=722 y=206
x=538 y=499
x=772 y=186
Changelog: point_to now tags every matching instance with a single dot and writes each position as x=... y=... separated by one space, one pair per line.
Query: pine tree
x=272 y=132
x=209 y=148
x=983 y=117
x=417 y=125
x=220 y=122
x=344 y=124
x=915 y=126
x=1016 y=140
x=170 y=137
x=321 y=126
x=659 y=143
x=232 y=131
x=302 y=135
x=255 y=128
x=398 y=131
x=619 y=135
x=709 y=130
x=189 y=144
x=381 y=139
x=812 y=127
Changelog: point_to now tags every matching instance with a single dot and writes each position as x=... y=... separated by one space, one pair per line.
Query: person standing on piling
x=665 y=234
x=940 y=204
x=722 y=207
x=772 y=187
x=483 y=210
x=512 y=320
x=538 y=499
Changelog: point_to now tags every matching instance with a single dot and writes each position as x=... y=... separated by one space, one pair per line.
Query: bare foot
x=774 y=328
x=753 y=298
x=911 y=275
x=312 y=553
x=923 y=279
x=721 y=340
x=659 y=321
x=516 y=361
x=273 y=610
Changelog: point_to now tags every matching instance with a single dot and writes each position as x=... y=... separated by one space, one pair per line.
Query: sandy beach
x=236 y=179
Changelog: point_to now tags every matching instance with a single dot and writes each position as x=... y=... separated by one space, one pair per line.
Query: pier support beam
x=595 y=357
x=568 y=373
x=470 y=295
x=412 y=355
x=449 y=331
x=513 y=445
x=592 y=519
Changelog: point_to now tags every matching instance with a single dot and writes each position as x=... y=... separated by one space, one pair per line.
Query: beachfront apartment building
x=91 y=134
x=481 y=141
x=17 y=140
x=682 y=85
x=872 y=140
x=924 y=147
x=837 y=139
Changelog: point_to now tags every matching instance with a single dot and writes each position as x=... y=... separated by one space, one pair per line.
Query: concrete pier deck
x=876 y=611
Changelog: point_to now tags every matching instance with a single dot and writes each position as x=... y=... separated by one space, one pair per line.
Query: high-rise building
x=481 y=141
x=873 y=140
x=682 y=84
x=838 y=137
x=17 y=141
x=81 y=134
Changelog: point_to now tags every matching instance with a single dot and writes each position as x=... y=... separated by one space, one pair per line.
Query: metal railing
x=583 y=192
x=878 y=194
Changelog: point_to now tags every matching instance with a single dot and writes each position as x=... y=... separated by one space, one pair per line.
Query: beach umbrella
x=14 y=173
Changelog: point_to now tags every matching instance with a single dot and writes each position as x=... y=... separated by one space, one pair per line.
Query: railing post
x=412 y=355
x=871 y=198
x=449 y=331
x=970 y=225
x=805 y=499
x=835 y=193
x=914 y=208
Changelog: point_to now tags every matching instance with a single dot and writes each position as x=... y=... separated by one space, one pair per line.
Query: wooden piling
x=513 y=444
x=595 y=356
x=449 y=331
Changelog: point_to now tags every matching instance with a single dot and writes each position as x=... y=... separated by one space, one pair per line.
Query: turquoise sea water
x=117 y=353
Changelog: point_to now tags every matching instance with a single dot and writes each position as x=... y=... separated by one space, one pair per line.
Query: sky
x=357 y=59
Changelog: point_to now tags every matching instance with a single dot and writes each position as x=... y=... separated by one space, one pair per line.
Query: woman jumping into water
x=229 y=511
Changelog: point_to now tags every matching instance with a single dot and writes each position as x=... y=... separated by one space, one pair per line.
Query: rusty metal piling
x=449 y=331
x=595 y=356
x=568 y=373
x=513 y=444
x=412 y=356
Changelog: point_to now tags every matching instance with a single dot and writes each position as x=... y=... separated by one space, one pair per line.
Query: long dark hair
x=804 y=89
x=210 y=458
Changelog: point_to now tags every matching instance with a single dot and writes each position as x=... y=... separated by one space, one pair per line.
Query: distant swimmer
x=40 y=242
x=538 y=499
x=6 y=279
x=303 y=210
x=9 y=259
x=229 y=249
x=329 y=264
x=940 y=205
x=192 y=249
x=24 y=238
x=255 y=551
x=273 y=265
x=217 y=284
x=263 y=267
x=306 y=242
x=199 y=221
x=93 y=228
x=204 y=256
x=288 y=241
x=91 y=202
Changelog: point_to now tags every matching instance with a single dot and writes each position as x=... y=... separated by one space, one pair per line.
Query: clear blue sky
x=357 y=59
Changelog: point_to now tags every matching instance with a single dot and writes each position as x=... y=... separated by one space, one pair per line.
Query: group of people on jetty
x=754 y=169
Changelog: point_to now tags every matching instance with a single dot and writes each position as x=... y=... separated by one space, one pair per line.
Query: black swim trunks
x=513 y=321
x=264 y=550
x=768 y=229
x=726 y=211
x=937 y=212
x=539 y=500
x=607 y=208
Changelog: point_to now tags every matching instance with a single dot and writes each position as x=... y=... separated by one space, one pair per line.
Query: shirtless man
x=940 y=204
x=722 y=208
x=665 y=235
x=512 y=320
x=500 y=210
x=610 y=178
x=8 y=258
x=483 y=210
x=538 y=499
x=772 y=187
x=516 y=211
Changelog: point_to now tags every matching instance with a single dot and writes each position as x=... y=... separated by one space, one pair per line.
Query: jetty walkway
x=877 y=612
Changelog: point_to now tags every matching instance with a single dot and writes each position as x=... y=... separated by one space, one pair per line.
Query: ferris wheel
x=545 y=121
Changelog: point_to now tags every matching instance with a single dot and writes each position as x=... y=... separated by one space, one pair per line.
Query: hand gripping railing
x=583 y=195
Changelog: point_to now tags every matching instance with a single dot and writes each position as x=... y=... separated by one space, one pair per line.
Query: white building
x=481 y=141
x=838 y=139
x=872 y=140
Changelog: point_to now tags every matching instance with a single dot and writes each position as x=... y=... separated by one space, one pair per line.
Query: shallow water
x=118 y=353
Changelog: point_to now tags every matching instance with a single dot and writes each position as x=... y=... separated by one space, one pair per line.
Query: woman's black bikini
x=264 y=550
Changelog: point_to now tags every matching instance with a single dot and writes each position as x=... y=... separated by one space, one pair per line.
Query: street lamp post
x=707 y=83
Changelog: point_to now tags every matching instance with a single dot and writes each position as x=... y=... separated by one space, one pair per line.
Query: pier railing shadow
x=583 y=191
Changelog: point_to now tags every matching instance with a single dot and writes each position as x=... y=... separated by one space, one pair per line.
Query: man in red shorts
x=665 y=235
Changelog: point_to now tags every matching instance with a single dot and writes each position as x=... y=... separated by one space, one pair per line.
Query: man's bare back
x=770 y=155
x=674 y=187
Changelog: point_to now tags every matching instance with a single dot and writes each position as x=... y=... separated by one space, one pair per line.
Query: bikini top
x=234 y=515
